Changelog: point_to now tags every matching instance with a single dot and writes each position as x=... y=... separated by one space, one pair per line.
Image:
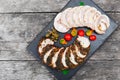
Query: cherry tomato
x=92 y=37
x=68 y=37
x=81 y=33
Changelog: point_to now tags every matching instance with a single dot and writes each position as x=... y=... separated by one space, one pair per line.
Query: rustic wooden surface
x=22 y=20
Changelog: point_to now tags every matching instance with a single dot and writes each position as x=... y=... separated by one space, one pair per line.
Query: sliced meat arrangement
x=81 y=16
x=64 y=57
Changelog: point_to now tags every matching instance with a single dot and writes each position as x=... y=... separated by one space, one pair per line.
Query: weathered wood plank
x=24 y=27
x=31 y=5
x=16 y=55
x=19 y=70
x=17 y=51
x=49 y=6
x=17 y=30
x=33 y=70
x=112 y=5
x=99 y=70
x=6 y=46
x=109 y=51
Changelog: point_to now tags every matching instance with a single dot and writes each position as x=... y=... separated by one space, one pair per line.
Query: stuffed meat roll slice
x=75 y=16
x=88 y=17
x=69 y=18
x=64 y=17
x=81 y=14
x=102 y=24
x=58 y=25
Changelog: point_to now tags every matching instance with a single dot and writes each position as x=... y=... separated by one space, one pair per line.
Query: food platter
x=33 y=47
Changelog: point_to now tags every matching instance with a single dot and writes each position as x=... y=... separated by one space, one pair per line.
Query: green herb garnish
x=65 y=72
x=81 y=3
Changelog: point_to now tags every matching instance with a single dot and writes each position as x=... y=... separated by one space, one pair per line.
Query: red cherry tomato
x=81 y=33
x=68 y=37
x=92 y=37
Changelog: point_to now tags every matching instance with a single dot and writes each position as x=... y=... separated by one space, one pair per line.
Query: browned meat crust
x=59 y=64
x=69 y=63
x=49 y=60
x=84 y=51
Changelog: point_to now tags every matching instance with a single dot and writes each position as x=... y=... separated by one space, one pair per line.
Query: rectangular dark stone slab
x=94 y=45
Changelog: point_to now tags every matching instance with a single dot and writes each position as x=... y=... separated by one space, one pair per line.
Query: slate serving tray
x=32 y=48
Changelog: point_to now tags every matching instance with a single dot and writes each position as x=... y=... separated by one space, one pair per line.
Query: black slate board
x=32 y=48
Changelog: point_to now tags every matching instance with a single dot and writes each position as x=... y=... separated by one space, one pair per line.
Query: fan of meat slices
x=81 y=16
x=65 y=57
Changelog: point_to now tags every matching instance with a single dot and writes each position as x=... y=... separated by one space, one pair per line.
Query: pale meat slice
x=61 y=60
x=44 y=43
x=88 y=17
x=70 y=18
x=84 y=42
x=64 y=58
x=49 y=59
x=55 y=57
x=75 y=17
x=79 y=53
x=105 y=19
x=64 y=18
x=58 y=25
x=85 y=17
x=46 y=55
x=97 y=15
x=77 y=11
x=102 y=24
x=75 y=53
x=91 y=18
x=72 y=58
x=81 y=15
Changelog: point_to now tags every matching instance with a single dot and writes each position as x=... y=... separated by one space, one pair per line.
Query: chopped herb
x=53 y=34
x=65 y=72
x=81 y=3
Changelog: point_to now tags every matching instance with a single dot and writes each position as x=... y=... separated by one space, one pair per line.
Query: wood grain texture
x=22 y=27
x=22 y=20
x=18 y=30
x=33 y=70
x=7 y=6
x=99 y=70
x=28 y=70
x=31 y=5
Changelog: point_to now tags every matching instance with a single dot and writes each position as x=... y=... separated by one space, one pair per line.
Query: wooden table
x=22 y=20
